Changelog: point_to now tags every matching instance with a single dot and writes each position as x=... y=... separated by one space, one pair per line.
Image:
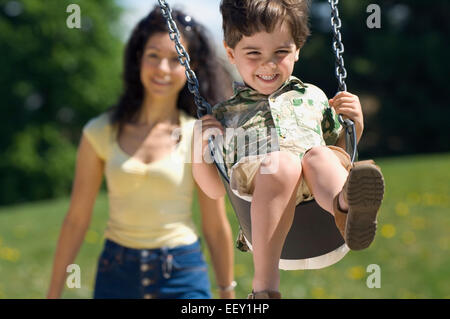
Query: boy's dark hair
x=247 y=17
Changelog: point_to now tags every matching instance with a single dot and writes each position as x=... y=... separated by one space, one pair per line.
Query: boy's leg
x=272 y=213
x=325 y=176
x=354 y=199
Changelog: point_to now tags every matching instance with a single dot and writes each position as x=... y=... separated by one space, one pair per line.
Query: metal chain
x=203 y=107
x=341 y=75
x=338 y=46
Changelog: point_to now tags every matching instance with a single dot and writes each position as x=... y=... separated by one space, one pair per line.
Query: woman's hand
x=227 y=294
x=349 y=106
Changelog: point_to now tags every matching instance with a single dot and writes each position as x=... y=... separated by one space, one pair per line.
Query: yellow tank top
x=149 y=204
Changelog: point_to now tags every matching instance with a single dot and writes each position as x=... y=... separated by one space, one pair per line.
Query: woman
x=142 y=145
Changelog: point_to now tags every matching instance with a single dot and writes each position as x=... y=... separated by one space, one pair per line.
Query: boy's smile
x=265 y=60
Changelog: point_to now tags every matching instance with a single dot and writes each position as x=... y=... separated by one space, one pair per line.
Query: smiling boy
x=301 y=158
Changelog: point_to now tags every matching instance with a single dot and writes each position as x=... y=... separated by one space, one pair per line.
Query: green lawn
x=411 y=247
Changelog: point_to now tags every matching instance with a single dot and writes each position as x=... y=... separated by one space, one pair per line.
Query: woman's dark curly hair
x=213 y=78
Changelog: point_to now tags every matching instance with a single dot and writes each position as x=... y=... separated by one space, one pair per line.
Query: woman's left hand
x=349 y=106
x=227 y=294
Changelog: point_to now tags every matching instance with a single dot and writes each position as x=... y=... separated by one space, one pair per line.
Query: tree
x=399 y=71
x=53 y=79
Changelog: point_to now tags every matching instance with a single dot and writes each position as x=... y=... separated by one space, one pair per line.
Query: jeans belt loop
x=167 y=263
x=120 y=253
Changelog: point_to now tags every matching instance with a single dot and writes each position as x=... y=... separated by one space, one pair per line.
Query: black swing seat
x=313 y=241
x=313 y=233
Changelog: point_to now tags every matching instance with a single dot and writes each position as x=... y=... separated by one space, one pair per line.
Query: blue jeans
x=174 y=273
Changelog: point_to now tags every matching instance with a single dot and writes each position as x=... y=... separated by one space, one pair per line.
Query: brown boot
x=266 y=294
x=363 y=191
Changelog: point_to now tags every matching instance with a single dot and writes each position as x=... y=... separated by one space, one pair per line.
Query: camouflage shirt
x=294 y=118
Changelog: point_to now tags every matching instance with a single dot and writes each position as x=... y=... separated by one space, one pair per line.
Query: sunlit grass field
x=412 y=246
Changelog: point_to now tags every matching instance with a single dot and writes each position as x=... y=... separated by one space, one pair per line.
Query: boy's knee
x=282 y=167
x=316 y=154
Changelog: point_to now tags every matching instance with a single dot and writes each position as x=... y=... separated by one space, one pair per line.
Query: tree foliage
x=53 y=79
x=399 y=71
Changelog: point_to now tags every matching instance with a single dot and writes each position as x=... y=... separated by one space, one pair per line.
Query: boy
x=302 y=156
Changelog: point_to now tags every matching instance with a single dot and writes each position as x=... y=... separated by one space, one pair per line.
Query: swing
x=313 y=241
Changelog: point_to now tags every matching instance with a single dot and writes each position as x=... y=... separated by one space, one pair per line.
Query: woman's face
x=162 y=75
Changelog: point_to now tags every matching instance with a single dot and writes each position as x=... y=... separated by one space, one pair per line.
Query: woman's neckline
x=168 y=155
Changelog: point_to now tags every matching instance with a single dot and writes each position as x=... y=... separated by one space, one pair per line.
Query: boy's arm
x=203 y=169
x=349 y=106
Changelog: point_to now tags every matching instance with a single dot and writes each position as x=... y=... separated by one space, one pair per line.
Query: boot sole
x=365 y=192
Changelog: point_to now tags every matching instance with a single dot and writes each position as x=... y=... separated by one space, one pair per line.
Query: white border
x=317 y=262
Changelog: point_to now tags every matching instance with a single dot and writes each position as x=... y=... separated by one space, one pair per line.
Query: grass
x=411 y=247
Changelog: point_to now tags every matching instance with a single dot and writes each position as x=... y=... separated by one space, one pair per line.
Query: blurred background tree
x=53 y=79
x=399 y=71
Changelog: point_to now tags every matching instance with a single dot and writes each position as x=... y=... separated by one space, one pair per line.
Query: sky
x=205 y=11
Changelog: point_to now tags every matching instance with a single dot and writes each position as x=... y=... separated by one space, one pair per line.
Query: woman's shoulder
x=99 y=122
x=98 y=130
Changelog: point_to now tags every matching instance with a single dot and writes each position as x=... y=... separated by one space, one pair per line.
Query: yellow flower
x=444 y=243
x=240 y=270
x=318 y=293
x=91 y=236
x=433 y=199
x=355 y=273
x=388 y=231
x=406 y=294
x=408 y=238
x=10 y=254
x=401 y=209
x=414 y=198
x=418 y=223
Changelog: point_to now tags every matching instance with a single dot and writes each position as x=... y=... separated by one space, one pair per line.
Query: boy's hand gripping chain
x=341 y=75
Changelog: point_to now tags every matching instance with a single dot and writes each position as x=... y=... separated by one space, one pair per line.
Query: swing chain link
x=203 y=107
x=338 y=46
x=341 y=75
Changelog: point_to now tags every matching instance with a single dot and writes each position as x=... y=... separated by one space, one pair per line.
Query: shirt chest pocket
x=306 y=114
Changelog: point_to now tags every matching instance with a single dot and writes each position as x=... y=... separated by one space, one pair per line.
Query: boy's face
x=265 y=60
